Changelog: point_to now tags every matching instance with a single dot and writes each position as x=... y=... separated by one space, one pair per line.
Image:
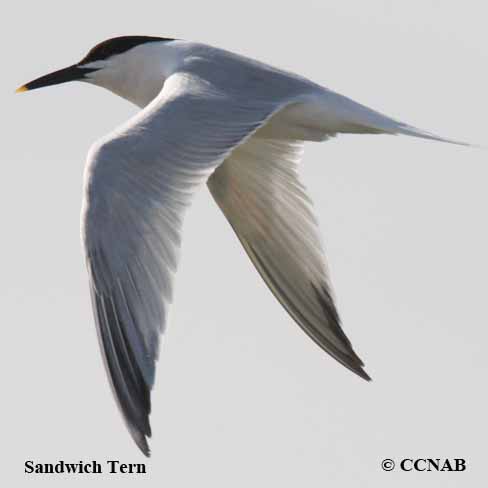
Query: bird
x=207 y=116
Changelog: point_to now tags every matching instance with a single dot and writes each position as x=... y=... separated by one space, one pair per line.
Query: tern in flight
x=212 y=117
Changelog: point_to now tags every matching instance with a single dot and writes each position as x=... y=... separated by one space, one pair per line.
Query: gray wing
x=138 y=183
x=258 y=190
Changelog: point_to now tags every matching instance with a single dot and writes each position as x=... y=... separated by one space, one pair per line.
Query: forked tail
x=357 y=118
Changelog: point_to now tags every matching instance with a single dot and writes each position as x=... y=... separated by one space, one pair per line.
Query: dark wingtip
x=140 y=438
x=356 y=366
x=351 y=360
x=131 y=392
x=145 y=449
x=362 y=374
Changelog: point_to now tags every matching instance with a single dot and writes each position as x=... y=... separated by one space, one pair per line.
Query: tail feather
x=358 y=118
x=409 y=130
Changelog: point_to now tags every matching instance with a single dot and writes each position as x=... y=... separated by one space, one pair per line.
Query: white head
x=133 y=67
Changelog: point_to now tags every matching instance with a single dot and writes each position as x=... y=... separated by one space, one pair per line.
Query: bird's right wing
x=259 y=192
x=138 y=183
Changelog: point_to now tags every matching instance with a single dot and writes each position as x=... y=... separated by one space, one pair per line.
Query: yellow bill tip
x=21 y=89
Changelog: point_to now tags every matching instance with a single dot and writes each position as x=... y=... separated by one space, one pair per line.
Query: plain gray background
x=243 y=398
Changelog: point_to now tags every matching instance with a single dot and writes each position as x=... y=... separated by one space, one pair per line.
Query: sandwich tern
x=207 y=116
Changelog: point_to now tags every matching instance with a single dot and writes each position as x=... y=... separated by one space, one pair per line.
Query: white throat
x=138 y=75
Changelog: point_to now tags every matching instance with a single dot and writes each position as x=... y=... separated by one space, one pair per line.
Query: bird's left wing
x=138 y=183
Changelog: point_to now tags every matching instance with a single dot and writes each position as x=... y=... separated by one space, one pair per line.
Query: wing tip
x=354 y=364
x=144 y=448
x=140 y=438
x=350 y=359
x=408 y=130
x=362 y=374
x=128 y=385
